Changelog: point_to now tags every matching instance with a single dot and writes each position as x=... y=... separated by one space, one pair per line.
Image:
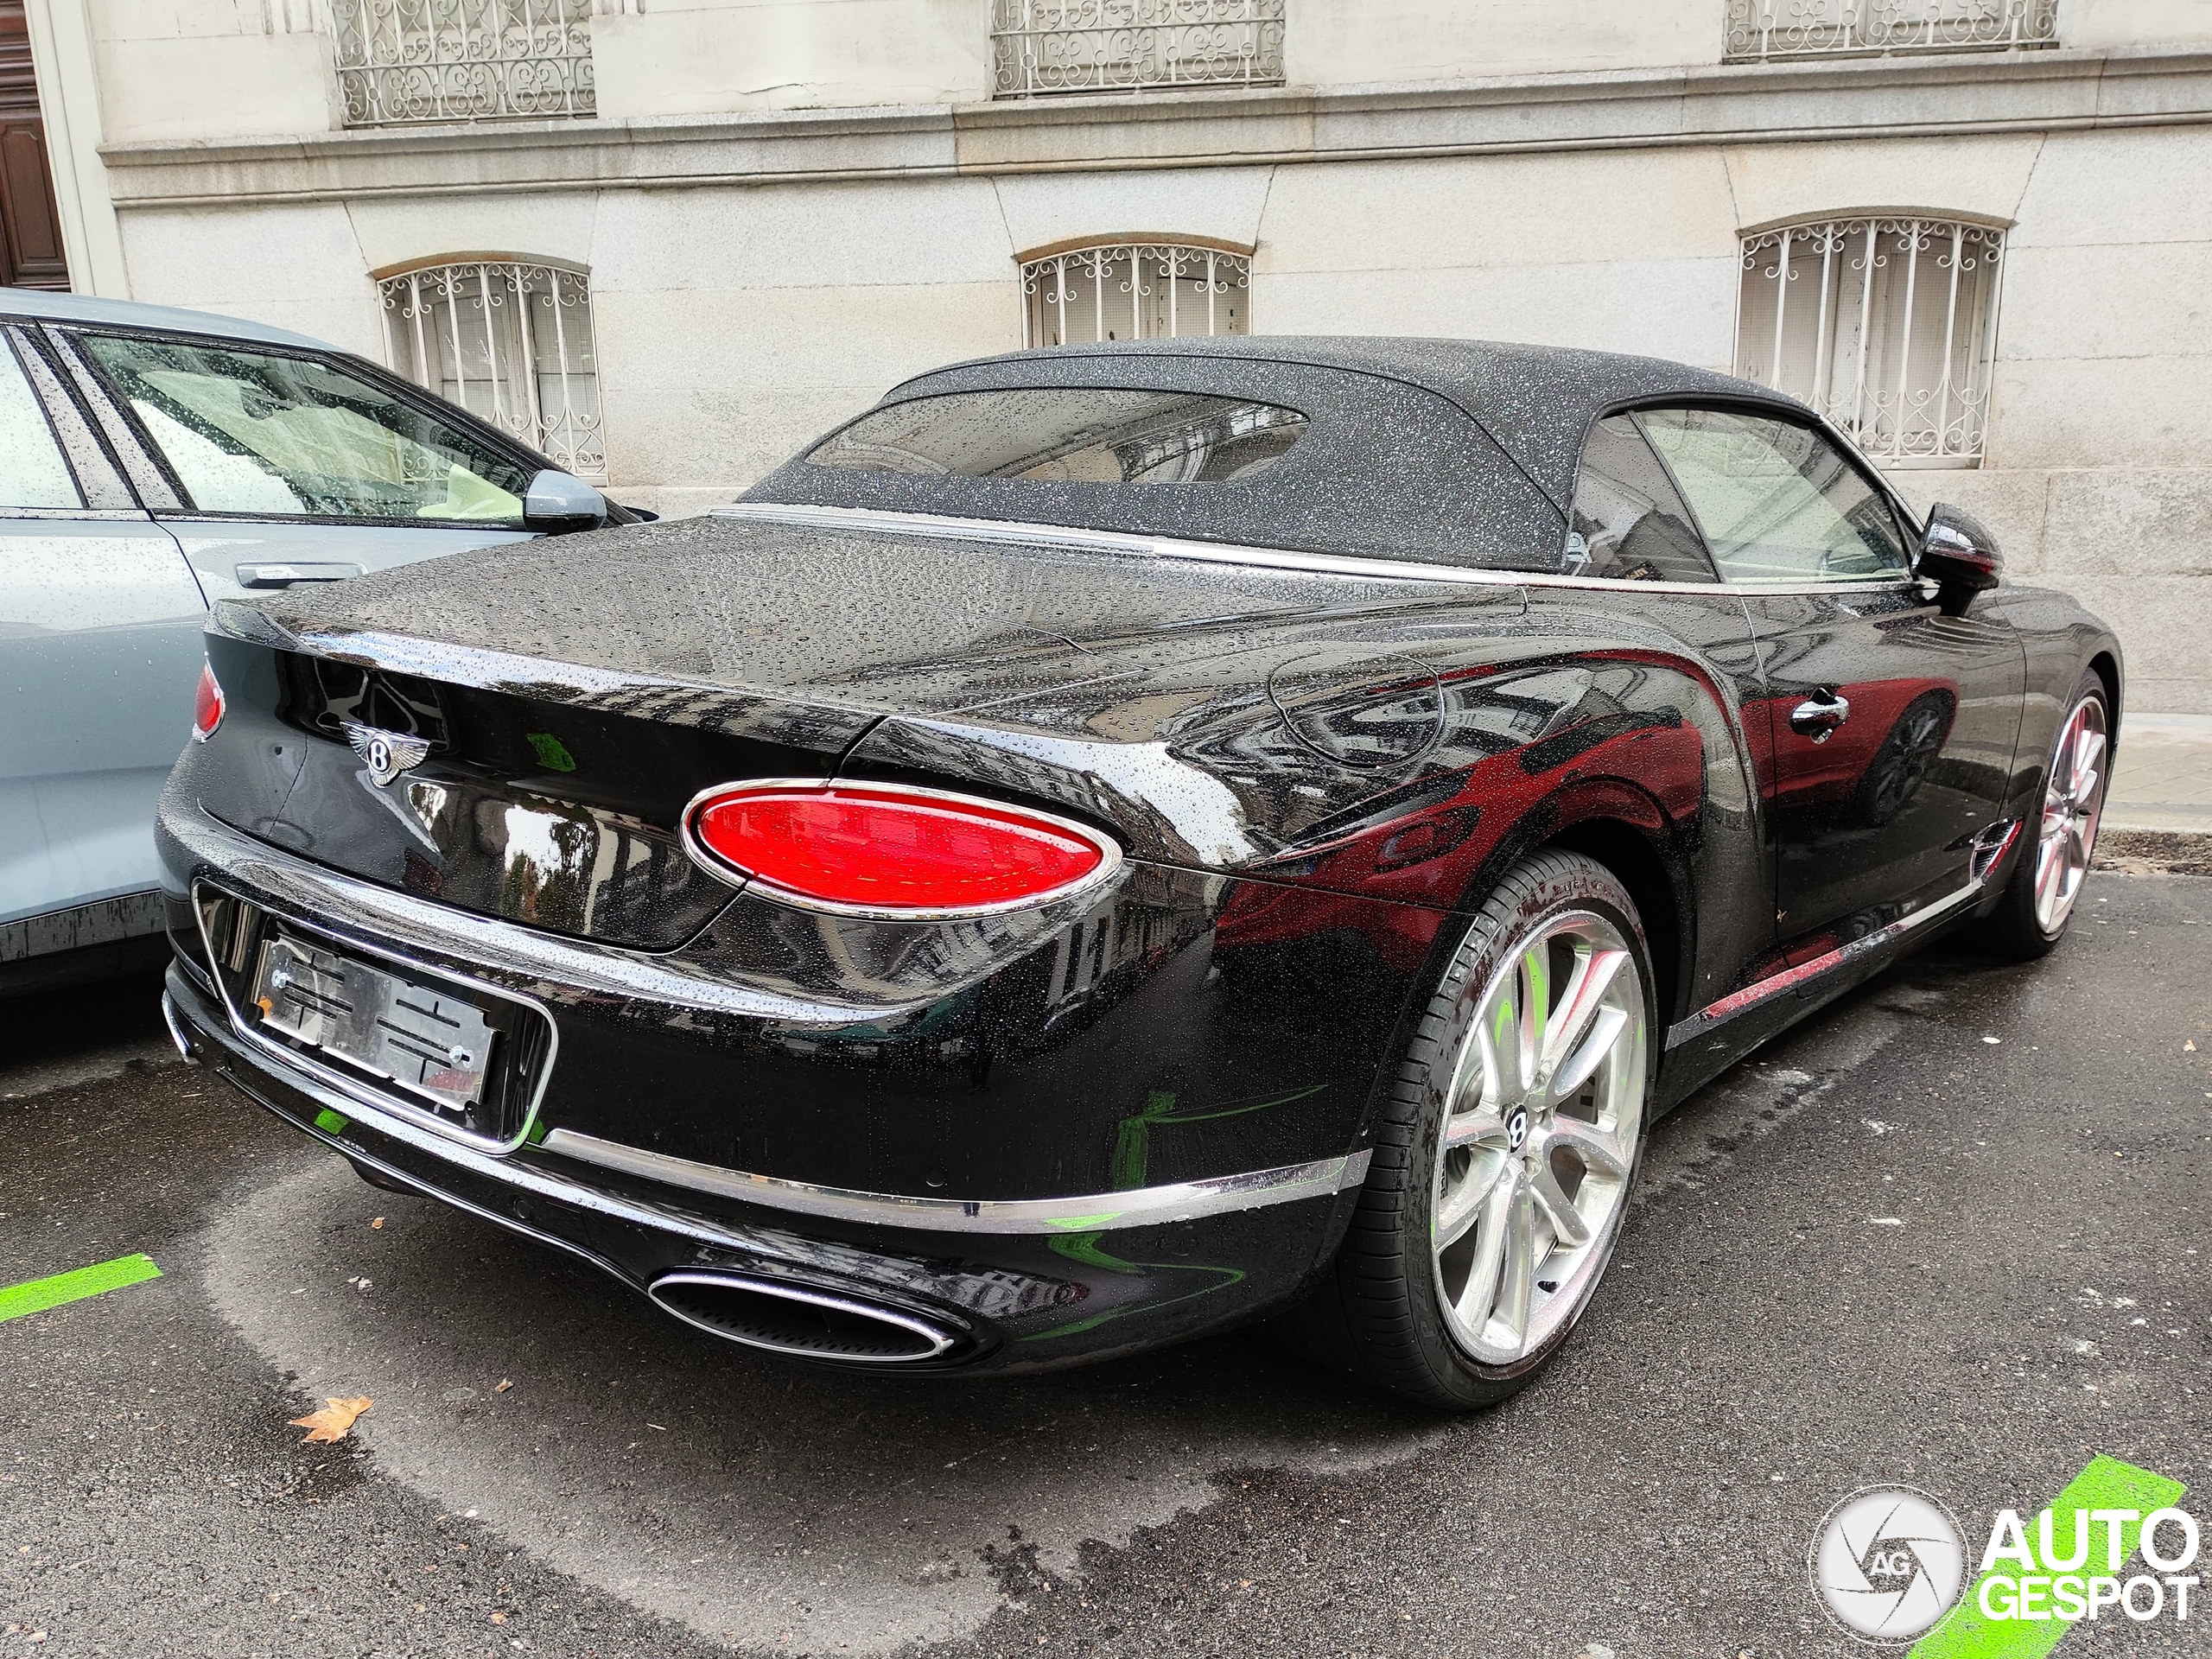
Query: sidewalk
x=2164 y=779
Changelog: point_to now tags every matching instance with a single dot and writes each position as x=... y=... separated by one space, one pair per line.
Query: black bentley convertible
x=1123 y=841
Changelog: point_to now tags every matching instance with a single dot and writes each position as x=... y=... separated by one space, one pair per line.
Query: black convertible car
x=1123 y=842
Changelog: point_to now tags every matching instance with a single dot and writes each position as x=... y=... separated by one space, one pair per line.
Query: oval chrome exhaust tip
x=799 y=1319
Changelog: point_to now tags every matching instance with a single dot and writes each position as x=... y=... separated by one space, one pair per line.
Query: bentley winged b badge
x=387 y=754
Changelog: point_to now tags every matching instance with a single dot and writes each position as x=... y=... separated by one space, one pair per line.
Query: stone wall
x=757 y=276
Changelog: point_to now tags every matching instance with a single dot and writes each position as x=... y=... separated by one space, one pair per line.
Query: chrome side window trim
x=891 y=522
x=1146 y=1207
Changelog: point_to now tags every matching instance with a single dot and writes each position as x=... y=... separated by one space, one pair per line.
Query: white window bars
x=510 y=342
x=1135 y=290
x=1761 y=29
x=1886 y=326
x=1095 y=46
x=407 y=60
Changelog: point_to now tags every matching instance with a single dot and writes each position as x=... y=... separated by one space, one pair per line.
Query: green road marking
x=329 y=1122
x=2105 y=1483
x=41 y=1293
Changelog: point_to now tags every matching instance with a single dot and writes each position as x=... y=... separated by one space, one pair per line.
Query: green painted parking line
x=38 y=1294
x=2105 y=1483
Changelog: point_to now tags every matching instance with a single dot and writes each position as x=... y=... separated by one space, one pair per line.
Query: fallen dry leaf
x=498 y=1618
x=379 y=1222
x=2189 y=1047
x=329 y=1424
x=501 y=1386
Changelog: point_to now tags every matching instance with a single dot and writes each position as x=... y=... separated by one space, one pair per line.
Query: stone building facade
x=681 y=236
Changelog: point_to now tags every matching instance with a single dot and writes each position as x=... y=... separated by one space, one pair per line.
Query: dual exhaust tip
x=801 y=1321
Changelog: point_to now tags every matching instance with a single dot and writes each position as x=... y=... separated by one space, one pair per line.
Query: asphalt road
x=1888 y=1249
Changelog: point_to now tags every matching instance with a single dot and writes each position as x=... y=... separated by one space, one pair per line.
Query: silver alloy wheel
x=1539 y=1138
x=2073 y=802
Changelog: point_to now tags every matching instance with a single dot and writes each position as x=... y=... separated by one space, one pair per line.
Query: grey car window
x=1776 y=501
x=253 y=432
x=1067 y=436
x=32 y=471
x=1628 y=523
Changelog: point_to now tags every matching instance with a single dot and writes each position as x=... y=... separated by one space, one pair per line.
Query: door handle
x=284 y=575
x=1819 y=716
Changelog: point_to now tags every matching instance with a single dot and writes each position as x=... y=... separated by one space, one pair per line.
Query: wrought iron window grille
x=1886 y=325
x=401 y=61
x=1135 y=290
x=509 y=340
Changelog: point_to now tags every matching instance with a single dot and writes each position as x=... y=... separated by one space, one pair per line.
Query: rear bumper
x=1053 y=1294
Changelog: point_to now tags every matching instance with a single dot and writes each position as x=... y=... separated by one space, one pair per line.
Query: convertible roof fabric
x=1456 y=452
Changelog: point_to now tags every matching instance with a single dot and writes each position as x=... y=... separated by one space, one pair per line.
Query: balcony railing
x=1760 y=30
x=1107 y=45
x=408 y=61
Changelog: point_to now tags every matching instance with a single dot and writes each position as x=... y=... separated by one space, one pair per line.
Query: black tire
x=1378 y=1313
x=2014 y=931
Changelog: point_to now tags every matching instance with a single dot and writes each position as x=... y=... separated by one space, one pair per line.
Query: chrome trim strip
x=1146 y=1207
x=362 y=1094
x=425 y=934
x=894 y=522
x=1227 y=1193
x=544 y=1184
x=939 y=1341
x=1084 y=887
x=1789 y=979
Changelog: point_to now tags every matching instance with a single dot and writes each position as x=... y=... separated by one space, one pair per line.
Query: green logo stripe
x=2105 y=1483
x=41 y=1293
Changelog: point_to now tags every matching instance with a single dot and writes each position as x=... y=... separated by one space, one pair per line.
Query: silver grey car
x=153 y=461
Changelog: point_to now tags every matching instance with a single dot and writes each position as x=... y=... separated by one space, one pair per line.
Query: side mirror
x=1960 y=556
x=557 y=503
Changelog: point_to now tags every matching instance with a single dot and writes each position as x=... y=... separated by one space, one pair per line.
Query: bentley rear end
x=829 y=1051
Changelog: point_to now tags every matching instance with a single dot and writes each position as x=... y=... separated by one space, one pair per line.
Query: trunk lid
x=568 y=696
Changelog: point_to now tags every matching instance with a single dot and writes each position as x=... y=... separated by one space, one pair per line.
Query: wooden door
x=30 y=224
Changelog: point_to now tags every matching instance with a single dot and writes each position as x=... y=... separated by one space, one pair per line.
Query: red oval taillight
x=890 y=851
x=206 y=705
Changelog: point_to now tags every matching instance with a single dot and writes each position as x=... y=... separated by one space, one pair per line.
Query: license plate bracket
x=465 y=1057
x=429 y=1043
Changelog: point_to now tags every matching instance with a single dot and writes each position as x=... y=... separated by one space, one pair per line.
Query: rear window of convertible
x=1066 y=435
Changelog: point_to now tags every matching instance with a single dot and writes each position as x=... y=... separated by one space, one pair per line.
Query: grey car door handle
x=1819 y=716
x=284 y=575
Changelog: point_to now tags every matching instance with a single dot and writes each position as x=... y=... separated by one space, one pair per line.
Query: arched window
x=1886 y=325
x=1132 y=290
x=509 y=340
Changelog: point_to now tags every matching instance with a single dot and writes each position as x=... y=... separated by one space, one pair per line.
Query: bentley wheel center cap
x=1517 y=1128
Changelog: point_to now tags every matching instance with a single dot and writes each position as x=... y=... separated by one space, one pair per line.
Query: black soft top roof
x=1457 y=451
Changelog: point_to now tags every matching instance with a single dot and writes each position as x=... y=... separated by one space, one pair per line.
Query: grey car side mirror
x=557 y=502
x=1960 y=556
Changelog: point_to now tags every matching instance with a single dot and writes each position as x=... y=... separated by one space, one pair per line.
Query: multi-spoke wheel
x=2049 y=873
x=1504 y=1149
x=1547 y=1100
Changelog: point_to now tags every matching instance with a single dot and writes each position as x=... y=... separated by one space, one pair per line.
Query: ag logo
x=1888 y=1563
x=386 y=753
